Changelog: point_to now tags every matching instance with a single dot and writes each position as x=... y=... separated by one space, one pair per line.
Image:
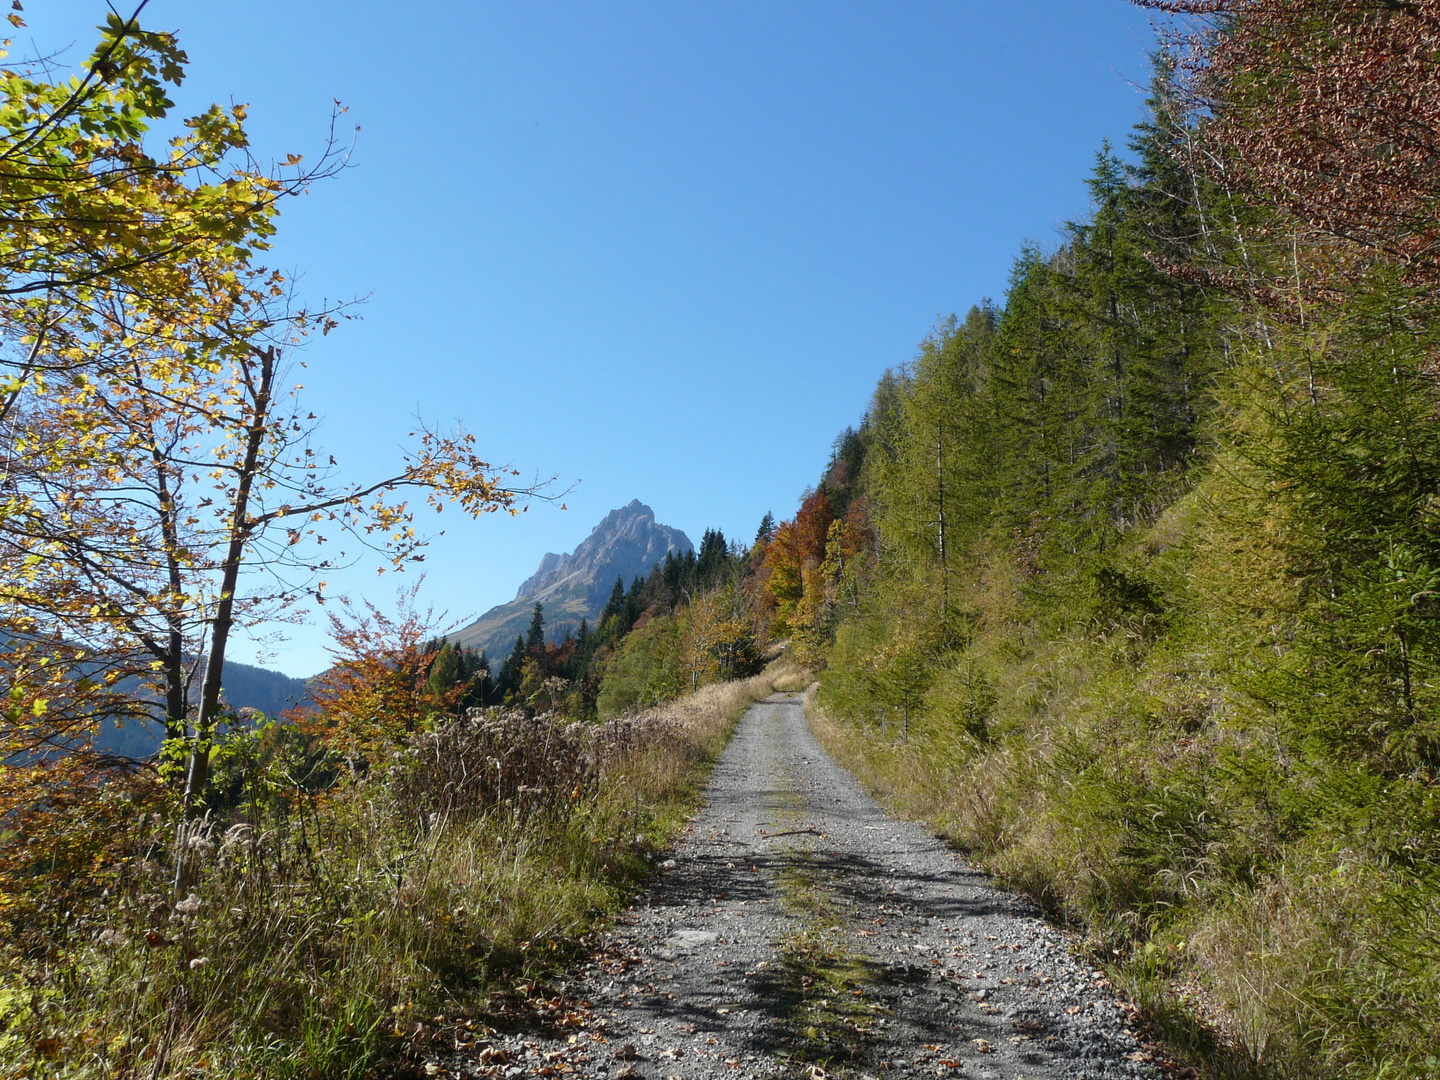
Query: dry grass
x=324 y=929
x=1136 y=800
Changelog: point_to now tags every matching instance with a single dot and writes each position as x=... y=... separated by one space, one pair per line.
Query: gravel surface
x=801 y=931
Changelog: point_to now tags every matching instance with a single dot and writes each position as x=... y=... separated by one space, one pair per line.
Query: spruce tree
x=634 y=603
x=512 y=671
x=714 y=553
x=482 y=683
x=445 y=672
x=616 y=604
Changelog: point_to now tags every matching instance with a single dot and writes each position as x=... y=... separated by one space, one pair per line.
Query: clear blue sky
x=663 y=250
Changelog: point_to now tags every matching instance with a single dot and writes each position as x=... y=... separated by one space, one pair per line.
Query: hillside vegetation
x=349 y=901
x=1129 y=583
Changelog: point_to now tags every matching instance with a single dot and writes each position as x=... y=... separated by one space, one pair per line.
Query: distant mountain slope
x=246 y=686
x=272 y=693
x=626 y=544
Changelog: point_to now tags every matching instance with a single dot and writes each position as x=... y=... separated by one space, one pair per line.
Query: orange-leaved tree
x=792 y=557
x=378 y=689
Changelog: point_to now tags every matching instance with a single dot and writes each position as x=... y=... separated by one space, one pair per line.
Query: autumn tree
x=379 y=687
x=89 y=215
x=717 y=636
x=162 y=484
x=795 y=546
x=1329 y=110
x=198 y=465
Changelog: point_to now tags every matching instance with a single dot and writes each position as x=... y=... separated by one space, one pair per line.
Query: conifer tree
x=512 y=671
x=446 y=672
x=615 y=606
x=714 y=553
x=634 y=603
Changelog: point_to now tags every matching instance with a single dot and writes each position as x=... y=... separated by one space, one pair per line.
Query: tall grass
x=325 y=930
x=1276 y=916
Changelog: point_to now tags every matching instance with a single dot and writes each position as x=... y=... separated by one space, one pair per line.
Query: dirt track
x=799 y=930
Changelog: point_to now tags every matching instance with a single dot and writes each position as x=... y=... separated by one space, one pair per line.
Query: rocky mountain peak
x=626 y=544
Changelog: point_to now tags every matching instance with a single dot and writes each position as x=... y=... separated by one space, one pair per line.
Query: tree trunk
x=198 y=771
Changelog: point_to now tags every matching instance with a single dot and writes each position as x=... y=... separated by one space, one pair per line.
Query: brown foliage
x=71 y=833
x=796 y=545
x=495 y=760
x=1331 y=109
x=502 y=761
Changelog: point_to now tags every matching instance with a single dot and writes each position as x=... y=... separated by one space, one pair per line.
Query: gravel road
x=800 y=931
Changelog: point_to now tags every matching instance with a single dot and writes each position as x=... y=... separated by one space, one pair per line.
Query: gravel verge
x=800 y=931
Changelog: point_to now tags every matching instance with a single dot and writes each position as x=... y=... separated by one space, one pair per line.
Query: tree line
x=685 y=624
x=1132 y=576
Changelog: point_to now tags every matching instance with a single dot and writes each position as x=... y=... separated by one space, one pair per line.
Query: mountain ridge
x=626 y=543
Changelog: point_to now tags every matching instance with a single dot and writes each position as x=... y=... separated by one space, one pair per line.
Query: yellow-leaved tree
x=155 y=456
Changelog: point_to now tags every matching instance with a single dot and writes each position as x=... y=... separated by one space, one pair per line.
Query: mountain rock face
x=627 y=543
